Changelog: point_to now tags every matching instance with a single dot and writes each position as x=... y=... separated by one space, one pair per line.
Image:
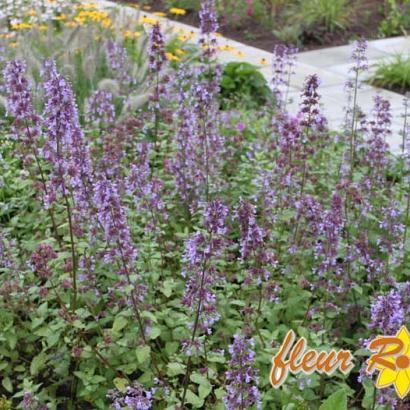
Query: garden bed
x=364 y=21
x=159 y=238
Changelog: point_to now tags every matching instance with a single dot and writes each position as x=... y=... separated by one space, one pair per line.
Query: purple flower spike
x=284 y=61
x=19 y=103
x=209 y=26
x=387 y=314
x=242 y=377
x=118 y=62
x=101 y=108
x=134 y=398
x=65 y=147
x=156 y=50
x=359 y=56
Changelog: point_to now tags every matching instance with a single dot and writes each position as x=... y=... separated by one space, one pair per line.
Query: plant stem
x=195 y=328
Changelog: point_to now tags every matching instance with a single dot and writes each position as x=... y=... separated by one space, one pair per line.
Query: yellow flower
x=87 y=6
x=21 y=26
x=14 y=44
x=263 y=61
x=147 y=20
x=160 y=14
x=106 y=23
x=400 y=377
x=79 y=20
x=180 y=52
x=61 y=17
x=42 y=27
x=172 y=57
x=31 y=13
x=131 y=35
x=239 y=54
x=177 y=11
x=147 y=8
x=226 y=47
x=71 y=24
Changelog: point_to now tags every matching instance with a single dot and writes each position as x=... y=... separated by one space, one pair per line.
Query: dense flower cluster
x=173 y=222
x=100 y=108
x=200 y=271
x=242 y=378
x=209 y=26
x=19 y=103
x=65 y=147
x=387 y=313
x=134 y=398
x=118 y=62
x=283 y=65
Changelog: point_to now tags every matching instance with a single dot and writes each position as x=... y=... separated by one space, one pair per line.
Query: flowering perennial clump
x=242 y=378
x=156 y=246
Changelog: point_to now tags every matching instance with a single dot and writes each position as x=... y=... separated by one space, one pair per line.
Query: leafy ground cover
x=393 y=74
x=308 y=24
x=159 y=236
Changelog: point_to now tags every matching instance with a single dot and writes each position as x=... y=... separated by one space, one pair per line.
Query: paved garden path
x=330 y=64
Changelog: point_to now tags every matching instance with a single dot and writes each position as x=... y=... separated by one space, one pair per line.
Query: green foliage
x=397 y=18
x=243 y=85
x=393 y=74
x=326 y=15
x=193 y=5
x=337 y=401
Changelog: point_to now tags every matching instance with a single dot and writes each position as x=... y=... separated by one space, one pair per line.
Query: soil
x=366 y=18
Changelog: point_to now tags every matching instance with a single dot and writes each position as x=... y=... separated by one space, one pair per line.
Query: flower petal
x=386 y=377
x=402 y=384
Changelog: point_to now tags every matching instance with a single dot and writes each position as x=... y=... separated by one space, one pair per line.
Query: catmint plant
x=100 y=108
x=202 y=250
x=360 y=66
x=242 y=377
x=283 y=65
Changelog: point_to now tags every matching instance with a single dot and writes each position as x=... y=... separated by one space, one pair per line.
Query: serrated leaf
x=175 y=368
x=119 y=323
x=155 y=332
x=193 y=399
x=204 y=390
x=219 y=393
x=6 y=383
x=171 y=347
x=37 y=363
x=336 y=401
x=121 y=384
x=143 y=353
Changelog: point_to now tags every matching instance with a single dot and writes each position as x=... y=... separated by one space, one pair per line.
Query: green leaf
x=219 y=393
x=143 y=353
x=119 y=323
x=37 y=363
x=171 y=347
x=336 y=401
x=155 y=332
x=204 y=390
x=121 y=384
x=167 y=287
x=205 y=386
x=6 y=382
x=193 y=399
x=369 y=391
x=175 y=368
